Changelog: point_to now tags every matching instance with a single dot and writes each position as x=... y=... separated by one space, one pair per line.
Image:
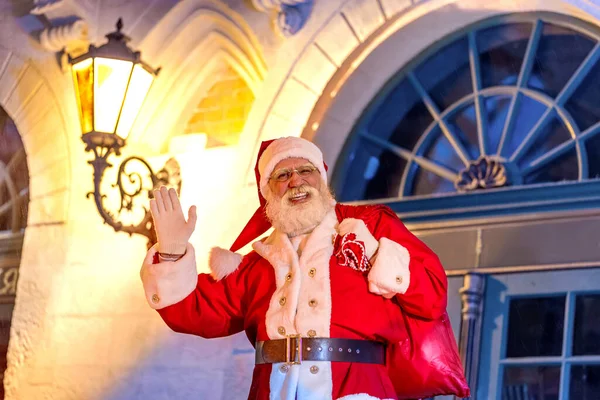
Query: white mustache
x=300 y=190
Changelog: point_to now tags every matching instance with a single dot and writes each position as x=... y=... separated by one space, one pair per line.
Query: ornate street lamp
x=111 y=83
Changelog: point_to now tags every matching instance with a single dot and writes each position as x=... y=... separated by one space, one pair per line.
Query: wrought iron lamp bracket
x=130 y=185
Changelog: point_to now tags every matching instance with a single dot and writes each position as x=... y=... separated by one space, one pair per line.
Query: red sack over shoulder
x=427 y=364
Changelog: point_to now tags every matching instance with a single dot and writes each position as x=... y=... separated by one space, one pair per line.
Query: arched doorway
x=486 y=144
x=14 y=200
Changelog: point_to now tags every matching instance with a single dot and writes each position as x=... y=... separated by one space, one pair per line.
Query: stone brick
x=79 y=382
x=364 y=16
x=12 y=73
x=27 y=87
x=345 y=105
x=276 y=126
x=331 y=136
x=82 y=341
x=51 y=152
x=222 y=113
x=337 y=39
x=46 y=247
x=5 y=55
x=314 y=69
x=393 y=7
x=295 y=102
x=48 y=209
x=137 y=339
x=48 y=180
x=37 y=108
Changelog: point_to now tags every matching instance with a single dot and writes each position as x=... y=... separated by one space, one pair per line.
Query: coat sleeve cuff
x=390 y=273
x=167 y=283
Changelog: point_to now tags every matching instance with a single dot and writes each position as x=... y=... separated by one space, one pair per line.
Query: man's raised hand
x=172 y=230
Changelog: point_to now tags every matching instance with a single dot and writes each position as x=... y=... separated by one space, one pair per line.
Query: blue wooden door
x=541 y=336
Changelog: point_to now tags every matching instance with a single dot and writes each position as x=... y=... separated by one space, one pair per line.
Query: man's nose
x=295 y=180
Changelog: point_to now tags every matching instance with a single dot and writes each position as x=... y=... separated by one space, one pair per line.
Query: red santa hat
x=271 y=152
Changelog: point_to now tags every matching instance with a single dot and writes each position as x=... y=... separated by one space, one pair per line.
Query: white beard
x=297 y=219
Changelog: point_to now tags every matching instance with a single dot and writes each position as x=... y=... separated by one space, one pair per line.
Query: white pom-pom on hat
x=223 y=262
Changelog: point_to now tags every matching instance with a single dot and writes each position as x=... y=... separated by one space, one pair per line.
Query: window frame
x=533 y=198
x=500 y=290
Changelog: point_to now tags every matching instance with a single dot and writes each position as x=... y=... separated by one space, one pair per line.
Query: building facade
x=476 y=121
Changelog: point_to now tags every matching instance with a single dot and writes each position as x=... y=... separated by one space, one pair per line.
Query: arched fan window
x=508 y=105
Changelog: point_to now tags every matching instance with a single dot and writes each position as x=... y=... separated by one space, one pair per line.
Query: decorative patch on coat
x=351 y=252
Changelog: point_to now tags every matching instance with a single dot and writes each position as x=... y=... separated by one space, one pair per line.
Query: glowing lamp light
x=111 y=83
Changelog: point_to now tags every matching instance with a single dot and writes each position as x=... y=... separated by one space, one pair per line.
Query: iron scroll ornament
x=130 y=185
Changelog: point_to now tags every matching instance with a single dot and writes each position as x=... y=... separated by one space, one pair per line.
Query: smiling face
x=302 y=173
x=297 y=197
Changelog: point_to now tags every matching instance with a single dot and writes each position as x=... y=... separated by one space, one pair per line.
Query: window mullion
x=524 y=74
x=408 y=156
x=482 y=129
x=435 y=113
x=548 y=157
x=565 y=372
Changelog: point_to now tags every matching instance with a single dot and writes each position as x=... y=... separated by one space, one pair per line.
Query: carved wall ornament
x=45 y=6
x=68 y=32
x=291 y=15
x=484 y=173
x=71 y=38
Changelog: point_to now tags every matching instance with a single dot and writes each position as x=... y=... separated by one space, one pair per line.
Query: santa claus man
x=320 y=298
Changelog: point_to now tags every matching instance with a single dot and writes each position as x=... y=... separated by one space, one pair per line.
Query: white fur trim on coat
x=292 y=308
x=223 y=262
x=288 y=147
x=360 y=396
x=390 y=274
x=168 y=283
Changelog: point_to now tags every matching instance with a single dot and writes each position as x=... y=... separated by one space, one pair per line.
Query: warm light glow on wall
x=190 y=143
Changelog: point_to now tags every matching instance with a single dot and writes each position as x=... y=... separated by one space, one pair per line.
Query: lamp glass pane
x=83 y=76
x=136 y=93
x=110 y=83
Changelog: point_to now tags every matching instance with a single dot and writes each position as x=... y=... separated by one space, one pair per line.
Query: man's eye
x=305 y=171
x=282 y=176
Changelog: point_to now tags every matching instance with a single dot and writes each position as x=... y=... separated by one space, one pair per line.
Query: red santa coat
x=274 y=292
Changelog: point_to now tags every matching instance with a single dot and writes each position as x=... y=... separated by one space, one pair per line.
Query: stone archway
x=31 y=103
x=346 y=60
x=193 y=43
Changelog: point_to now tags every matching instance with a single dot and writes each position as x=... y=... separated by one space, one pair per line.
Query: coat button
x=314 y=369
x=399 y=279
x=313 y=303
x=281 y=330
x=312 y=272
x=284 y=368
x=288 y=277
x=312 y=333
x=155 y=298
x=282 y=301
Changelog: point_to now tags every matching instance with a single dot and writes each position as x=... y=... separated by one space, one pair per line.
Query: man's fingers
x=345 y=227
x=175 y=203
x=164 y=193
x=160 y=205
x=192 y=218
x=153 y=208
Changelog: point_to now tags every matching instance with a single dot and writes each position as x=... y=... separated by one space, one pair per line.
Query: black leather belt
x=319 y=349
